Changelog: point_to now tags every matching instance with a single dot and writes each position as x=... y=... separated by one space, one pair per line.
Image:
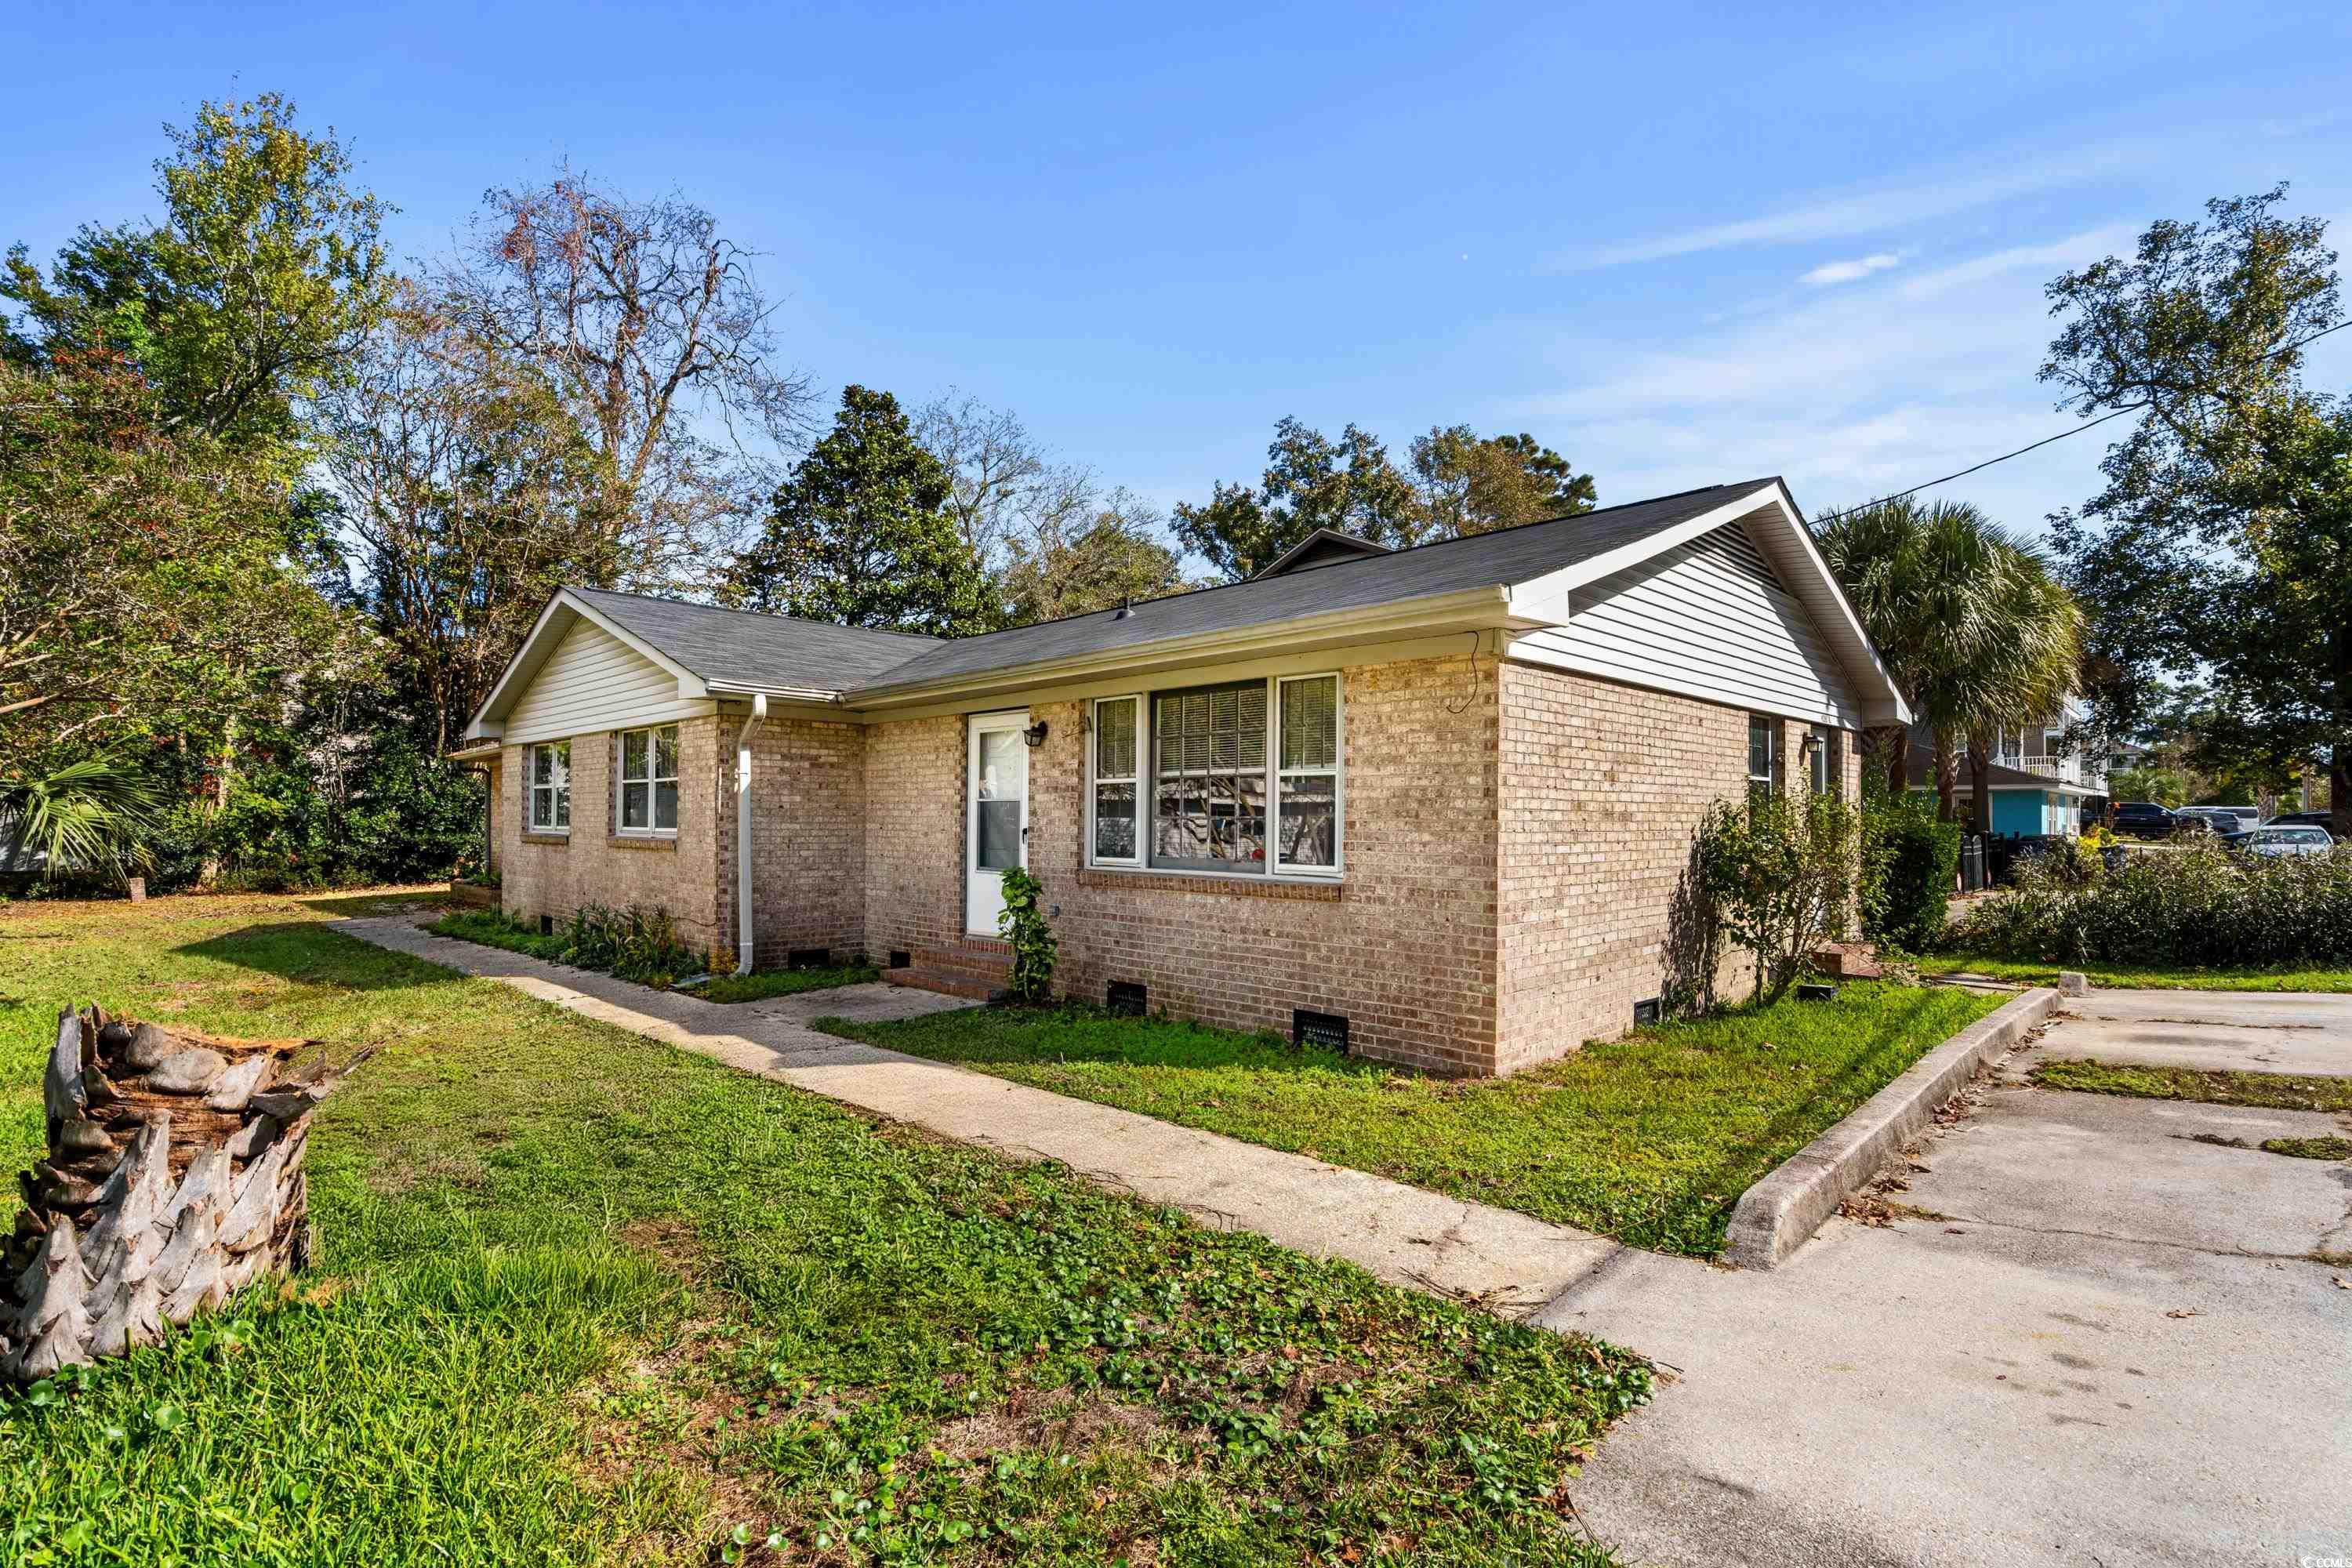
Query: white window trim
x=651 y=781
x=1147 y=800
x=1337 y=773
x=1134 y=775
x=531 y=787
x=1775 y=778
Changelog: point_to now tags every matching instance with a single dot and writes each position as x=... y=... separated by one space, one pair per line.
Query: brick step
x=946 y=981
x=1849 y=960
x=978 y=963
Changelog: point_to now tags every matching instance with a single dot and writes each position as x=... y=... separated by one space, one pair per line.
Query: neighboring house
x=1440 y=800
x=2040 y=784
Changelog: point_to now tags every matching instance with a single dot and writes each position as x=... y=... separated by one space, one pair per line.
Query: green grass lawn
x=585 y=1298
x=2129 y=976
x=1651 y=1140
x=2271 y=1091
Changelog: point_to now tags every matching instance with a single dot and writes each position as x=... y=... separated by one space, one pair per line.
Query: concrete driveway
x=2097 y=1338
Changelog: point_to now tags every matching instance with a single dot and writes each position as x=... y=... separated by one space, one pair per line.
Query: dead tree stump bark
x=173 y=1179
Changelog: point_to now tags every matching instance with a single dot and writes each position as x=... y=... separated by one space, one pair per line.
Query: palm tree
x=86 y=815
x=1967 y=616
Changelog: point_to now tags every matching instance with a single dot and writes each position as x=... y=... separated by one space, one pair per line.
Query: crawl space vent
x=1126 y=997
x=900 y=958
x=1648 y=1010
x=546 y=925
x=1327 y=1030
x=808 y=958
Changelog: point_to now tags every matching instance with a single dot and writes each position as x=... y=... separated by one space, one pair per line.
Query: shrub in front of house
x=1778 y=873
x=637 y=944
x=1909 y=862
x=2199 y=907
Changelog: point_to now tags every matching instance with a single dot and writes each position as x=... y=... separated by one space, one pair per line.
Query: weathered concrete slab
x=1775 y=1216
x=2253 y=1031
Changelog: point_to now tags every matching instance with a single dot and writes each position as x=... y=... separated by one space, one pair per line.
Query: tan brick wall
x=1603 y=788
x=808 y=836
x=544 y=875
x=1405 y=948
x=914 y=834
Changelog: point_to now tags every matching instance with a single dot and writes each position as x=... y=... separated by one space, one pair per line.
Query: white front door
x=996 y=824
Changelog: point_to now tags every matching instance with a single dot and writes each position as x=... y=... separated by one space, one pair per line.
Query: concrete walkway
x=2044 y=1381
x=1505 y=1261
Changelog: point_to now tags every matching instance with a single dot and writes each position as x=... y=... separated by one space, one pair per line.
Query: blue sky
x=1680 y=244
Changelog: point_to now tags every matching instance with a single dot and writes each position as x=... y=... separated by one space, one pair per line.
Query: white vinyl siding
x=595 y=682
x=1705 y=619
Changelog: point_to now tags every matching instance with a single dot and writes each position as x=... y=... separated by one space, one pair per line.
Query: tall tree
x=2220 y=547
x=251 y=295
x=995 y=471
x=661 y=345
x=460 y=476
x=1971 y=626
x=860 y=534
x=1098 y=553
x=144 y=583
x=1460 y=483
x=1475 y=484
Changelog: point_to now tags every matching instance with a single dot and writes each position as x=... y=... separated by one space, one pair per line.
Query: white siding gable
x=1704 y=619
x=592 y=682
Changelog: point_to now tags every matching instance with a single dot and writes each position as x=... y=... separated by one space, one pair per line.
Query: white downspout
x=743 y=833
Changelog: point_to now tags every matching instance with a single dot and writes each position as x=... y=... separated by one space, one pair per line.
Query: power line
x=2046 y=440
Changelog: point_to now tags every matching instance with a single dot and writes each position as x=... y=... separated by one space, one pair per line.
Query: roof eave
x=1478 y=609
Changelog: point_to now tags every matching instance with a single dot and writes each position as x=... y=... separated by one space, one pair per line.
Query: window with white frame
x=648 y=780
x=1764 y=760
x=550 y=787
x=1118 y=736
x=1243 y=776
x=1821 y=752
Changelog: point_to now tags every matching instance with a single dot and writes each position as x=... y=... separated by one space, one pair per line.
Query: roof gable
x=1324 y=547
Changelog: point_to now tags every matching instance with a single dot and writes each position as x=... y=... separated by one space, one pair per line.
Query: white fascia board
x=1788 y=545
x=825 y=695
x=1481 y=608
x=489 y=720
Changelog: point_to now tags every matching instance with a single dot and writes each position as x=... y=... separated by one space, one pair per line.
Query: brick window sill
x=557 y=839
x=642 y=841
x=1139 y=880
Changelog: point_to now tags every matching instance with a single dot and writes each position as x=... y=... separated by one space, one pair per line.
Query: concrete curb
x=1775 y=1216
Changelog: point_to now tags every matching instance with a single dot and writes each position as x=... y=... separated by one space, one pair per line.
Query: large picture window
x=1239 y=777
x=649 y=780
x=550 y=788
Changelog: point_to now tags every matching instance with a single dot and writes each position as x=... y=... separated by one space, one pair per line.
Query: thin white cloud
x=2073 y=251
x=1853 y=271
x=1867 y=212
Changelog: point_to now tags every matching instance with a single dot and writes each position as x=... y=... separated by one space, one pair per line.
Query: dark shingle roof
x=742 y=648
x=745 y=648
x=1507 y=555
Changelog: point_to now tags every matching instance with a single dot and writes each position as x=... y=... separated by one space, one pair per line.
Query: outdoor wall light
x=1034 y=734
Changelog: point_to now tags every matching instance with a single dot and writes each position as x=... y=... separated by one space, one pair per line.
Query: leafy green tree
x=860 y=535
x=1970 y=621
x=145 y=589
x=1474 y=484
x=253 y=292
x=2220 y=547
x=2162 y=785
x=1460 y=483
x=1068 y=568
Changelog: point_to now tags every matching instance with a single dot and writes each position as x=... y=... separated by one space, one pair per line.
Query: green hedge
x=1909 y=860
x=2198 y=907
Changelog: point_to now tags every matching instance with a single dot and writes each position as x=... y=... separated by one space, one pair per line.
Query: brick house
x=1440 y=799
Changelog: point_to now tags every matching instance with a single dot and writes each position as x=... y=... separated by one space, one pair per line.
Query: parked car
x=2275 y=840
x=2142 y=819
x=2298 y=819
x=2224 y=818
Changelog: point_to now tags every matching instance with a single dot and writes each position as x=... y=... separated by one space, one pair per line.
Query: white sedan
x=2292 y=840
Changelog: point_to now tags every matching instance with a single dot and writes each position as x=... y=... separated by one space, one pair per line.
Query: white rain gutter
x=743 y=831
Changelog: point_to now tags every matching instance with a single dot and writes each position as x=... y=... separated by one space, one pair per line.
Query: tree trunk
x=2339 y=793
x=1947 y=778
x=173 y=1179
x=1981 y=783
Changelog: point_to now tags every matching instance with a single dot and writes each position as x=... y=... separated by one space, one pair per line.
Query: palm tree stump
x=173 y=1179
